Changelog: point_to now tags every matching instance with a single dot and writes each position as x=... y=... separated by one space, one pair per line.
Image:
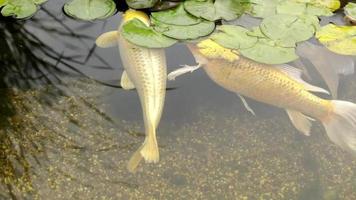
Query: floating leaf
x=20 y=8
x=268 y=52
x=185 y=32
x=287 y=29
x=263 y=8
x=350 y=11
x=233 y=37
x=203 y=9
x=176 y=16
x=291 y=7
x=339 y=39
x=140 y=4
x=90 y=9
x=138 y=33
x=220 y=9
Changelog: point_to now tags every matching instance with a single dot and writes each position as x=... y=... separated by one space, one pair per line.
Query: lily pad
x=138 y=33
x=176 y=16
x=20 y=8
x=268 y=52
x=287 y=29
x=220 y=9
x=185 y=32
x=233 y=37
x=339 y=39
x=141 y=4
x=350 y=11
x=90 y=9
x=263 y=8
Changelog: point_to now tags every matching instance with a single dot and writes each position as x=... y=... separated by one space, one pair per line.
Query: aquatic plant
x=284 y=24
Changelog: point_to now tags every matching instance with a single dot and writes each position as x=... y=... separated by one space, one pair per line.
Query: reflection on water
x=65 y=136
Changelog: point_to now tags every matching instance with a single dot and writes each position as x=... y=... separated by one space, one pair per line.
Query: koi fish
x=280 y=86
x=145 y=70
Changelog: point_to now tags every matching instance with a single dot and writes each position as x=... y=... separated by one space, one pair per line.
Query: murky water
x=67 y=132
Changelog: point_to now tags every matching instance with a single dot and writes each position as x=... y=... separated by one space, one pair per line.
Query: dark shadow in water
x=33 y=78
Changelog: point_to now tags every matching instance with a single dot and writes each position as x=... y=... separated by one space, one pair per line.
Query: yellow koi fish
x=280 y=86
x=145 y=70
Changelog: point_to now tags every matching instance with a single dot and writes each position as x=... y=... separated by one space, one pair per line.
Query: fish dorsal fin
x=108 y=39
x=300 y=121
x=126 y=83
x=328 y=64
x=296 y=74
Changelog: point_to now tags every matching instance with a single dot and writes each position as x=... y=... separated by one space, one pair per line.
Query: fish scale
x=267 y=84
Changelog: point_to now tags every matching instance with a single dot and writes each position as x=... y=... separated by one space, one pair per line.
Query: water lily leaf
x=263 y=8
x=291 y=7
x=140 y=4
x=318 y=10
x=220 y=9
x=233 y=37
x=138 y=33
x=339 y=39
x=90 y=9
x=19 y=8
x=331 y=5
x=176 y=16
x=350 y=11
x=287 y=29
x=268 y=52
x=185 y=32
x=203 y=9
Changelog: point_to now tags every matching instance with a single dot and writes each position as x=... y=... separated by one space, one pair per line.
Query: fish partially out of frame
x=145 y=70
x=281 y=86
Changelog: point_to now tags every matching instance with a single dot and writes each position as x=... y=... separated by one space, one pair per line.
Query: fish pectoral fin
x=300 y=121
x=296 y=74
x=248 y=108
x=185 y=69
x=126 y=83
x=108 y=39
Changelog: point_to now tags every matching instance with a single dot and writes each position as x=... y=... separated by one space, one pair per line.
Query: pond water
x=67 y=130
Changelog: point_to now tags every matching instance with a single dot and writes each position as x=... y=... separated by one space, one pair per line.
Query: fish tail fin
x=149 y=149
x=135 y=160
x=340 y=126
x=329 y=65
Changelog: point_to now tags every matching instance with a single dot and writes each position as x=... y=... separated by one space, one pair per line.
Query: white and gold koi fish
x=280 y=86
x=145 y=70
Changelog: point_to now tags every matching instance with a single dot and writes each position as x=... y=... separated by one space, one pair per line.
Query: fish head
x=135 y=14
x=206 y=50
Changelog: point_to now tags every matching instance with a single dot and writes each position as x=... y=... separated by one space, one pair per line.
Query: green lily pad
x=268 y=52
x=263 y=8
x=19 y=8
x=141 y=4
x=138 y=33
x=90 y=9
x=220 y=9
x=185 y=32
x=350 y=11
x=287 y=29
x=203 y=9
x=291 y=7
x=318 y=10
x=339 y=39
x=233 y=37
x=176 y=16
